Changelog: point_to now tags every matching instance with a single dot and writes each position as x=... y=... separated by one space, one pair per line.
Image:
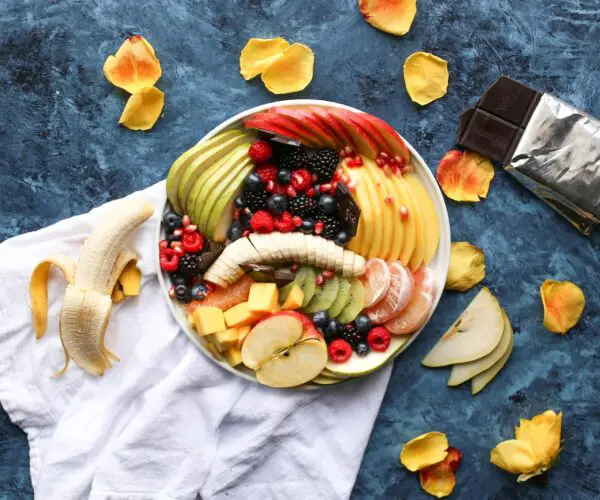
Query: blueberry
x=178 y=279
x=182 y=294
x=333 y=328
x=254 y=182
x=320 y=319
x=199 y=291
x=284 y=177
x=363 y=323
x=235 y=231
x=245 y=220
x=328 y=204
x=171 y=238
x=362 y=349
x=171 y=221
x=239 y=202
x=342 y=238
x=277 y=204
x=307 y=226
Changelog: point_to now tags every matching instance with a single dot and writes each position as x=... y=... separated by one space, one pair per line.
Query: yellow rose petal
x=259 y=53
x=424 y=450
x=425 y=77
x=515 y=456
x=292 y=72
x=143 y=109
x=563 y=305
x=134 y=66
x=467 y=266
x=391 y=16
x=465 y=175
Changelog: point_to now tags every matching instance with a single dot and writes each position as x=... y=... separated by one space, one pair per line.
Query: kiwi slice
x=343 y=297
x=299 y=280
x=309 y=285
x=355 y=304
x=324 y=296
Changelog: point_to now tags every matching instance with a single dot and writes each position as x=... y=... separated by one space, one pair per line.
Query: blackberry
x=332 y=225
x=189 y=265
x=351 y=334
x=256 y=200
x=302 y=205
x=293 y=160
x=324 y=163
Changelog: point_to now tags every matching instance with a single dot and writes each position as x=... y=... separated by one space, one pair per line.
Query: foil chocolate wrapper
x=551 y=147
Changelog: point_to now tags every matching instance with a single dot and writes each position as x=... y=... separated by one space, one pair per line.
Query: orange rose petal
x=563 y=305
x=438 y=480
x=391 y=16
x=292 y=72
x=465 y=175
x=453 y=458
x=143 y=109
x=134 y=66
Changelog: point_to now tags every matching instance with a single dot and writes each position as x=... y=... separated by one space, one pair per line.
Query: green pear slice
x=322 y=380
x=329 y=374
x=210 y=150
x=465 y=371
x=484 y=378
x=473 y=335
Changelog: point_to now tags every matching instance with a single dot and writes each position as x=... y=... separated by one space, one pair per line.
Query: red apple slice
x=306 y=119
x=418 y=309
x=393 y=139
x=344 y=137
x=380 y=139
x=286 y=123
x=364 y=142
x=340 y=140
x=265 y=126
x=397 y=297
x=376 y=281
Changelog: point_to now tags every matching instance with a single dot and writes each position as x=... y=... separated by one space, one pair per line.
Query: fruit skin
x=254 y=183
x=302 y=205
x=333 y=328
x=235 y=231
x=323 y=164
x=351 y=334
x=320 y=319
x=362 y=349
x=262 y=222
x=239 y=202
x=342 y=238
x=277 y=204
x=307 y=226
x=183 y=294
x=331 y=225
x=169 y=260
x=188 y=265
x=255 y=200
x=327 y=204
x=199 y=291
x=192 y=242
x=171 y=221
x=178 y=279
x=340 y=351
x=379 y=339
x=260 y=151
x=295 y=159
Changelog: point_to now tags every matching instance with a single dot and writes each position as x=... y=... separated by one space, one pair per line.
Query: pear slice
x=465 y=371
x=322 y=380
x=484 y=378
x=473 y=335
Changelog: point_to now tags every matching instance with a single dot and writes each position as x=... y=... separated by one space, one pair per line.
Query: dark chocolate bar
x=209 y=254
x=348 y=208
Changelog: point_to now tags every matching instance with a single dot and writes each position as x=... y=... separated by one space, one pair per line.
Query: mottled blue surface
x=62 y=153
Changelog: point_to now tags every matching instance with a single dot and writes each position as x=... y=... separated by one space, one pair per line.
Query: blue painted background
x=62 y=153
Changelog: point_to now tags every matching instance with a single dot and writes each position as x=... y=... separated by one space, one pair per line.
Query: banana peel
x=105 y=273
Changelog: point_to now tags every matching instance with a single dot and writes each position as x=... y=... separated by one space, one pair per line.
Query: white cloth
x=165 y=422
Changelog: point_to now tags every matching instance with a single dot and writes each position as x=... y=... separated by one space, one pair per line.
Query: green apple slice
x=484 y=378
x=329 y=374
x=473 y=335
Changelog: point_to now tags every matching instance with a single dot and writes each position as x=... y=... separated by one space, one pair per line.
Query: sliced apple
x=323 y=380
x=270 y=128
x=339 y=139
x=308 y=137
x=398 y=147
x=378 y=137
x=341 y=132
x=473 y=335
x=465 y=371
x=305 y=119
x=365 y=144
x=285 y=350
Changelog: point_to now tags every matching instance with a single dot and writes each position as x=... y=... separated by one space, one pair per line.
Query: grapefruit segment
x=397 y=297
x=376 y=281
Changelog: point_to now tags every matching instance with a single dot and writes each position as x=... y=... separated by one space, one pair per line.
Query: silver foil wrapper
x=558 y=159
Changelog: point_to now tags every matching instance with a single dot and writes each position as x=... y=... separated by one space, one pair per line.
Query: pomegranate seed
x=319 y=280
x=179 y=249
x=185 y=221
x=310 y=193
x=294 y=267
x=399 y=160
x=191 y=228
x=279 y=189
x=350 y=162
x=324 y=188
x=388 y=200
x=319 y=226
x=175 y=244
x=178 y=232
x=236 y=214
x=392 y=161
x=384 y=155
x=358 y=161
x=379 y=162
x=395 y=170
x=404 y=212
x=163 y=244
x=172 y=292
x=270 y=186
x=290 y=191
x=246 y=233
x=297 y=221
x=338 y=174
x=348 y=150
x=342 y=154
x=328 y=274
x=334 y=186
x=315 y=178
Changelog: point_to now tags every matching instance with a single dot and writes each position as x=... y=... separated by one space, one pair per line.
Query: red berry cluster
x=392 y=165
x=190 y=241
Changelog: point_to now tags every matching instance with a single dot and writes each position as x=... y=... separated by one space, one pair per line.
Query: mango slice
x=259 y=53
x=134 y=66
x=142 y=110
x=467 y=266
x=291 y=72
x=392 y=16
x=424 y=450
x=563 y=305
x=465 y=175
x=130 y=280
x=425 y=77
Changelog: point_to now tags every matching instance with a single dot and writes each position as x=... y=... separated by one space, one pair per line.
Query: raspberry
x=267 y=172
x=260 y=151
x=379 y=339
x=340 y=351
x=285 y=222
x=262 y=222
x=301 y=179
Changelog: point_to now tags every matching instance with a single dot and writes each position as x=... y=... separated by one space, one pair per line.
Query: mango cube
x=294 y=299
x=233 y=355
x=243 y=332
x=214 y=352
x=263 y=297
x=225 y=339
x=209 y=320
x=241 y=315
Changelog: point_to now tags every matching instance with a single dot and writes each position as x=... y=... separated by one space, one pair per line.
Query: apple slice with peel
x=344 y=137
x=473 y=335
x=304 y=118
x=393 y=139
x=285 y=350
x=308 y=136
x=364 y=142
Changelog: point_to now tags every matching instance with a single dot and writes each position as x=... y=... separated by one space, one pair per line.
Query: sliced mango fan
x=284 y=68
x=135 y=68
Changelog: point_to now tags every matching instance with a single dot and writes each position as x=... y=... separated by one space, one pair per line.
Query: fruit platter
x=303 y=243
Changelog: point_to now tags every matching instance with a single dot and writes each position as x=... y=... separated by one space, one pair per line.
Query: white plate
x=439 y=264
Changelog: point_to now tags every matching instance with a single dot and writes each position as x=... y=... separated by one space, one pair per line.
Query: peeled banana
x=105 y=273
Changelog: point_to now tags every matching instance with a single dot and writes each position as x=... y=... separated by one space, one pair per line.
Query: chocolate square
x=348 y=208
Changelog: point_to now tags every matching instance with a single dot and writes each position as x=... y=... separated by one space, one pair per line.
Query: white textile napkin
x=165 y=422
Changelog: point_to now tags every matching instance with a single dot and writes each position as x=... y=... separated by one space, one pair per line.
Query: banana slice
x=298 y=247
x=233 y=271
x=242 y=251
x=261 y=246
x=358 y=265
x=279 y=242
x=339 y=258
x=310 y=249
x=348 y=263
x=330 y=255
